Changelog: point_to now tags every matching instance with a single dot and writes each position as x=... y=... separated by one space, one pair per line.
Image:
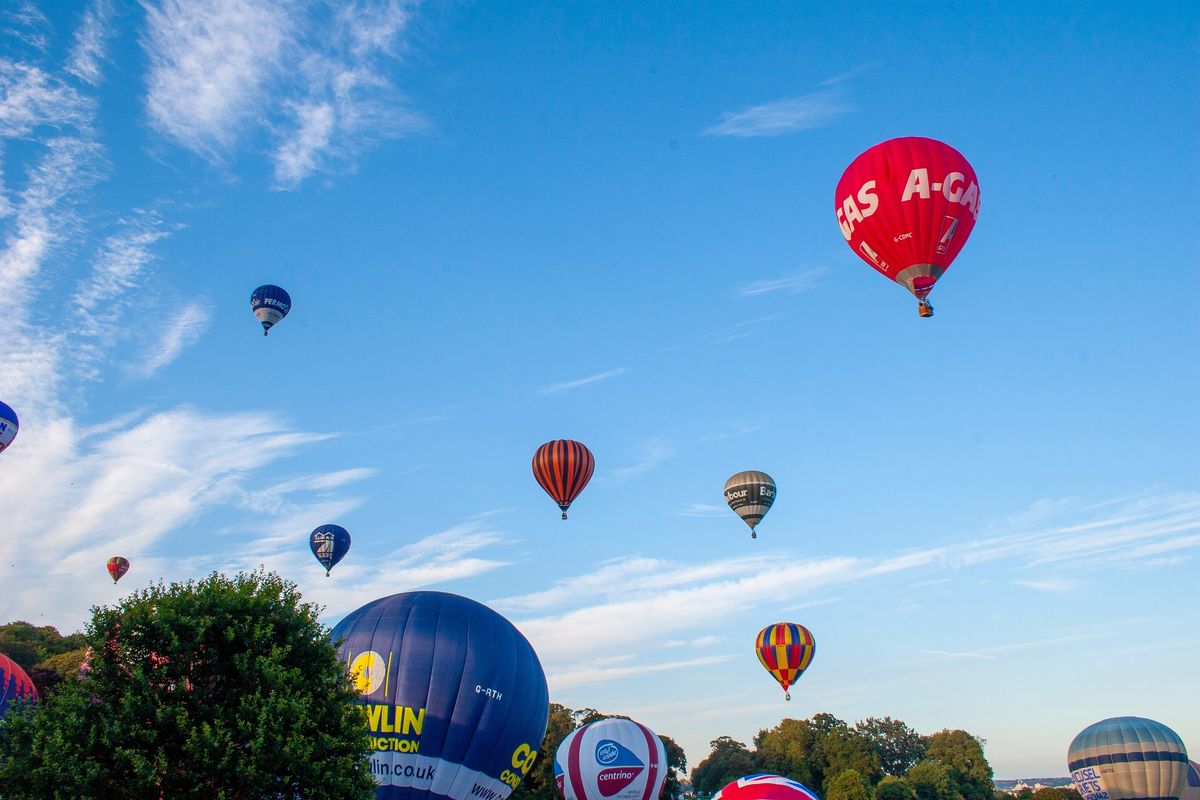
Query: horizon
x=504 y=224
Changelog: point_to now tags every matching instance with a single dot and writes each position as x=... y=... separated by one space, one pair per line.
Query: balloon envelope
x=750 y=494
x=765 y=787
x=14 y=684
x=785 y=650
x=1128 y=758
x=906 y=207
x=455 y=697
x=270 y=304
x=329 y=543
x=117 y=566
x=8 y=425
x=611 y=759
x=563 y=467
x=1191 y=789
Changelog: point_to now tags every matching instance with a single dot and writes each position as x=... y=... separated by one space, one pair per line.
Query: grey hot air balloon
x=1128 y=758
x=750 y=494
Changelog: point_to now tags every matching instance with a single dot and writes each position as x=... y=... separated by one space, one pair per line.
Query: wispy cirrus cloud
x=651 y=455
x=311 y=75
x=186 y=327
x=791 y=284
x=87 y=53
x=703 y=510
x=566 y=386
x=783 y=116
x=633 y=605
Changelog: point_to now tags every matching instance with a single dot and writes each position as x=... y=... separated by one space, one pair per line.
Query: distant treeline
x=45 y=654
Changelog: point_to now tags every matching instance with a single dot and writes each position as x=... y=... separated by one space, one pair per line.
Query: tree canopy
x=225 y=688
x=841 y=762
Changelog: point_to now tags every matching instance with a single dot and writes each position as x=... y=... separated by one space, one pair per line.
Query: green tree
x=791 y=749
x=846 y=785
x=963 y=754
x=226 y=688
x=843 y=749
x=676 y=769
x=1056 y=793
x=37 y=650
x=898 y=746
x=932 y=780
x=728 y=761
x=893 y=788
x=1024 y=793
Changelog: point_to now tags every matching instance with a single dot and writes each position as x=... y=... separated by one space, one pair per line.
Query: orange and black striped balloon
x=785 y=649
x=563 y=467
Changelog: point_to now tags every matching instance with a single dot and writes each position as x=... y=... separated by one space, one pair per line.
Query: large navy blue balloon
x=270 y=304
x=329 y=544
x=455 y=696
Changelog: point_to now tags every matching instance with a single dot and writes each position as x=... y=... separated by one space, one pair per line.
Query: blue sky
x=504 y=223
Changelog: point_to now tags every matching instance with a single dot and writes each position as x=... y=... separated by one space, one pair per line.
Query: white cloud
x=557 y=388
x=88 y=51
x=703 y=510
x=636 y=604
x=564 y=679
x=211 y=65
x=783 y=116
x=187 y=326
x=311 y=75
x=791 y=284
x=651 y=455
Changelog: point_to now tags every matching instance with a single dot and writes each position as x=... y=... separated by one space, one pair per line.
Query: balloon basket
x=564 y=515
x=924 y=309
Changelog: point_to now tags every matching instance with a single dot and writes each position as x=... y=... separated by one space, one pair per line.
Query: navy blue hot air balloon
x=454 y=695
x=270 y=304
x=329 y=544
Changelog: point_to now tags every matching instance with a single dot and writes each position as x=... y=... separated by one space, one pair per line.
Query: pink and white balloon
x=611 y=759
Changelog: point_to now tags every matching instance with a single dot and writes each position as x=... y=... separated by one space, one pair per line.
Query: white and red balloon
x=611 y=759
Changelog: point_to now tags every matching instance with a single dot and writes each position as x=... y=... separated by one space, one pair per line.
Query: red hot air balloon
x=117 y=566
x=906 y=207
x=563 y=467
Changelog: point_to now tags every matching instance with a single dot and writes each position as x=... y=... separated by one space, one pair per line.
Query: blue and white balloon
x=270 y=304
x=454 y=696
x=329 y=544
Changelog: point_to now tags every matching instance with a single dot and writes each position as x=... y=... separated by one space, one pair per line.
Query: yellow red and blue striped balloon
x=785 y=649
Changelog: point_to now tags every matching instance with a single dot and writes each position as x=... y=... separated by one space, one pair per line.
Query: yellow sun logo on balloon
x=367 y=670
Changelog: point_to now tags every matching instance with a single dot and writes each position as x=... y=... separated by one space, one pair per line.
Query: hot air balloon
x=765 y=787
x=750 y=495
x=117 y=567
x=452 y=679
x=8 y=425
x=329 y=543
x=617 y=759
x=785 y=649
x=563 y=467
x=906 y=207
x=1191 y=791
x=270 y=304
x=14 y=684
x=1128 y=758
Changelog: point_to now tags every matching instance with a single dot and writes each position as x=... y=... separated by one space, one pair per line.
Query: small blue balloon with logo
x=270 y=304
x=329 y=544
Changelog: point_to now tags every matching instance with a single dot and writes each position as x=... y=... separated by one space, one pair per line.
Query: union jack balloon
x=765 y=787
